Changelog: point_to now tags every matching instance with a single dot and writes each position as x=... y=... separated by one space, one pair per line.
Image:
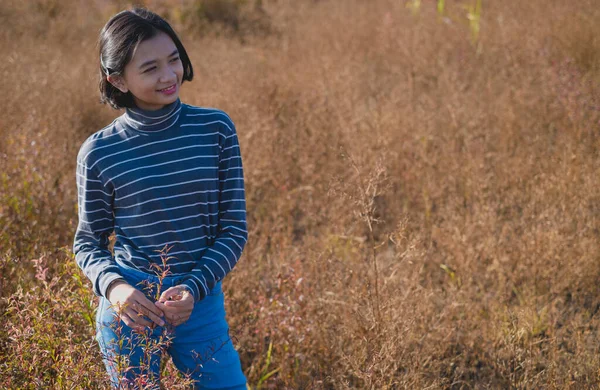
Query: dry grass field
x=423 y=189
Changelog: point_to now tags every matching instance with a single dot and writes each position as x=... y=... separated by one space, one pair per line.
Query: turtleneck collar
x=153 y=121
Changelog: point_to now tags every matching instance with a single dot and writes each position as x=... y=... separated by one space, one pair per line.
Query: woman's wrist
x=114 y=284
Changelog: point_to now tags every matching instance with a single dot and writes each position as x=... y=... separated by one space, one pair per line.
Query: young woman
x=164 y=176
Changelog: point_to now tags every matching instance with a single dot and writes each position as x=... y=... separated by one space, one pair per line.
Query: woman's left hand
x=177 y=304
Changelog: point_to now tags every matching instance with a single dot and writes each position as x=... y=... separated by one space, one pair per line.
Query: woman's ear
x=117 y=82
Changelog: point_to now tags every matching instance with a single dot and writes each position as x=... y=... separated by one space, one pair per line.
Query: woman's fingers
x=175 y=306
x=147 y=305
x=137 y=317
x=180 y=303
x=171 y=307
x=175 y=315
x=142 y=306
x=170 y=293
x=156 y=319
x=129 y=321
x=150 y=310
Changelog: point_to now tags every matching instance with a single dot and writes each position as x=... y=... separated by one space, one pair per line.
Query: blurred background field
x=423 y=188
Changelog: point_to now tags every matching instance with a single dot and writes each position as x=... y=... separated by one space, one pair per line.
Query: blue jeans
x=200 y=347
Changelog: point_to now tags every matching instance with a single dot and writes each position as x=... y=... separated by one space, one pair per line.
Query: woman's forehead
x=159 y=46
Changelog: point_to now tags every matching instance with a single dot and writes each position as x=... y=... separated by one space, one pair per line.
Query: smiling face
x=154 y=73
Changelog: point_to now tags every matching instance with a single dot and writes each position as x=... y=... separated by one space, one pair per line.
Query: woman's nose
x=168 y=74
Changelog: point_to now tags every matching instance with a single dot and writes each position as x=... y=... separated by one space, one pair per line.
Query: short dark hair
x=118 y=40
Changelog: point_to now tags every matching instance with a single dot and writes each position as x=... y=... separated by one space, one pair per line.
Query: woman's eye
x=175 y=59
x=149 y=69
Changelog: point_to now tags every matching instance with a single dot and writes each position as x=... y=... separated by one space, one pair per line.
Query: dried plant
x=452 y=242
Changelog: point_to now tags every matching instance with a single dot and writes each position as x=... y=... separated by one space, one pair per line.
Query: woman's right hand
x=132 y=306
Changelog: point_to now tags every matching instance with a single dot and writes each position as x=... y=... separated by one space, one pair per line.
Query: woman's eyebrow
x=153 y=61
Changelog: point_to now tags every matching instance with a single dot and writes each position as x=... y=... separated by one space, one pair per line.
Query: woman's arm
x=220 y=258
x=96 y=223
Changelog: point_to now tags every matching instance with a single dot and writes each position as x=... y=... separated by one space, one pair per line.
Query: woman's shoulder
x=204 y=111
x=207 y=115
x=101 y=139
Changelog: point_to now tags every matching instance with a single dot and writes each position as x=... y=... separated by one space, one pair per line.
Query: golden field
x=423 y=189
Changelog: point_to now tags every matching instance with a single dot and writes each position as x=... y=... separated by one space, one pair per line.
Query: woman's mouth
x=169 y=90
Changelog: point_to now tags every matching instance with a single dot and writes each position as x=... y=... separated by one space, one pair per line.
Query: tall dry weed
x=455 y=246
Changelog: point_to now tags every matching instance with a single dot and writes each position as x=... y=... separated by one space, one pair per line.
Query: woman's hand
x=177 y=303
x=133 y=306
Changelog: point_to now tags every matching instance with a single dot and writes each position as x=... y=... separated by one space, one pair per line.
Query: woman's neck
x=153 y=120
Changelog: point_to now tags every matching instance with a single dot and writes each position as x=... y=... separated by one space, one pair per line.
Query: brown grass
x=423 y=210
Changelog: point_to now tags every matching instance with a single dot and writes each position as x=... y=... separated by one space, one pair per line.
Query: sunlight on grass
x=421 y=178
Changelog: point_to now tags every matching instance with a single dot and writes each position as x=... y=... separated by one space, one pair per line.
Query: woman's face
x=154 y=73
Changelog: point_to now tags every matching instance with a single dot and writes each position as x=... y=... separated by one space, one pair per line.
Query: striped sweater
x=170 y=178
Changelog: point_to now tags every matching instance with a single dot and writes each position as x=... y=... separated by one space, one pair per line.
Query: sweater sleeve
x=96 y=223
x=220 y=257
